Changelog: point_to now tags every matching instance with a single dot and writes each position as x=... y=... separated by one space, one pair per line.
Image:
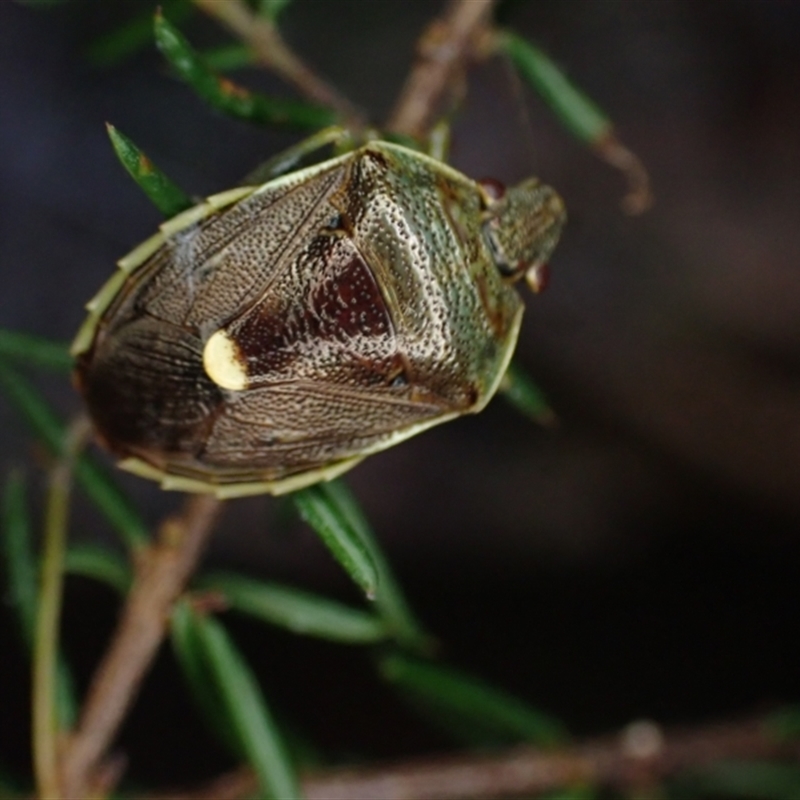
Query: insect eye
x=521 y=229
x=538 y=277
x=493 y=190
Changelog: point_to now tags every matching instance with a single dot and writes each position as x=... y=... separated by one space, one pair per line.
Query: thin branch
x=641 y=756
x=45 y=651
x=640 y=196
x=161 y=574
x=263 y=38
x=442 y=53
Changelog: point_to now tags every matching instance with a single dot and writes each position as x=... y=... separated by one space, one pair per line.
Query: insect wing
x=322 y=371
x=216 y=270
x=277 y=336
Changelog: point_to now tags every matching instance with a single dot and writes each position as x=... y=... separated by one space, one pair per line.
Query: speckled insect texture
x=274 y=336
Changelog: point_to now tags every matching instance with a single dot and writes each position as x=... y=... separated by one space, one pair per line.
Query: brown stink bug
x=275 y=335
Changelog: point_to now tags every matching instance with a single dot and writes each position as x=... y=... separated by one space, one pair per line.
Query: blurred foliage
x=230 y=98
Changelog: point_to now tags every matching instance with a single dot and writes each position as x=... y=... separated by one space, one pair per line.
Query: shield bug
x=273 y=336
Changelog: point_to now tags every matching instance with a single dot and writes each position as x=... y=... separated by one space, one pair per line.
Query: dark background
x=641 y=560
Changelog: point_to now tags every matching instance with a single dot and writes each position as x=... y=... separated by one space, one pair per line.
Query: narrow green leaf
x=575 y=110
x=19 y=557
x=228 y=97
x=111 y=501
x=168 y=198
x=32 y=406
x=22 y=573
x=526 y=396
x=100 y=564
x=117 y=45
x=228 y=57
x=297 y=611
x=66 y=694
x=189 y=653
x=100 y=487
x=272 y=8
x=247 y=711
x=473 y=703
x=322 y=513
x=35 y=351
x=390 y=600
x=199 y=679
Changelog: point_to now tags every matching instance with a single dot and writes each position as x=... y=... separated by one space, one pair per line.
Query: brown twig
x=161 y=574
x=640 y=196
x=442 y=53
x=265 y=41
x=642 y=756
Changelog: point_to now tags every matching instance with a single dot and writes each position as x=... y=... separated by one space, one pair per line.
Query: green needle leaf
x=390 y=600
x=111 y=501
x=472 y=704
x=23 y=582
x=35 y=351
x=228 y=97
x=575 y=110
x=248 y=714
x=18 y=552
x=518 y=388
x=189 y=653
x=299 y=612
x=327 y=518
x=100 y=487
x=100 y=564
x=168 y=198
x=117 y=45
x=580 y=116
x=66 y=704
x=228 y=57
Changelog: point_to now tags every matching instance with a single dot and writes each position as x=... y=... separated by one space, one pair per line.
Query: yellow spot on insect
x=223 y=362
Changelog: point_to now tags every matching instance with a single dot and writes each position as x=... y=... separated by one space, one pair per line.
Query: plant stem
x=640 y=196
x=162 y=571
x=639 y=758
x=48 y=614
x=442 y=50
x=262 y=36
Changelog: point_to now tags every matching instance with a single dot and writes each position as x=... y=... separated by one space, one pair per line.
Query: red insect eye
x=538 y=277
x=494 y=189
